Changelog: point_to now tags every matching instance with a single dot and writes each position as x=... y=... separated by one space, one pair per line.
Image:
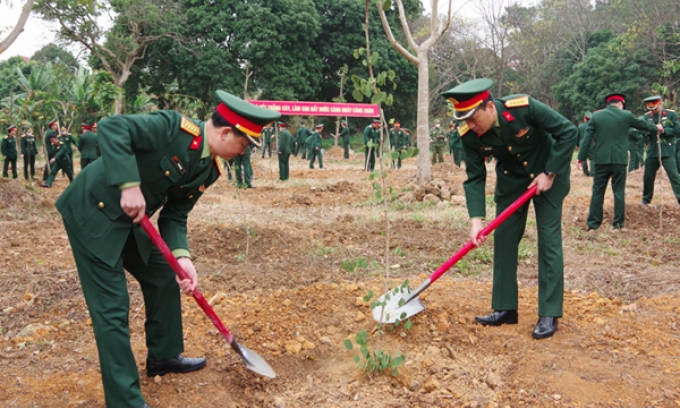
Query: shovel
x=251 y=359
x=401 y=302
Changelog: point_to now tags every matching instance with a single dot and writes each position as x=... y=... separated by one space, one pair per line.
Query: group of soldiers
x=58 y=146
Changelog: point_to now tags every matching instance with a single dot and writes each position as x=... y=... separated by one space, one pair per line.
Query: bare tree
x=18 y=28
x=438 y=27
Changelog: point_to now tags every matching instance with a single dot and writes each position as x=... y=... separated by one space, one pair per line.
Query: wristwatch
x=550 y=175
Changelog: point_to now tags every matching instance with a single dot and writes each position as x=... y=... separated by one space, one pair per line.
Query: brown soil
x=290 y=300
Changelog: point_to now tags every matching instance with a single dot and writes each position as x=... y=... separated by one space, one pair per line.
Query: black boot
x=545 y=327
x=499 y=317
x=177 y=364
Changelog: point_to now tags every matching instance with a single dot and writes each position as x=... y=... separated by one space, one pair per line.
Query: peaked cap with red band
x=468 y=97
x=86 y=126
x=652 y=102
x=615 y=97
x=244 y=116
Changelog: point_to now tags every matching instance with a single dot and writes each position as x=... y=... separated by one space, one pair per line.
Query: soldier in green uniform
x=607 y=133
x=438 y=139
x=314 y=147
x=284 y=150
x=244 y=169
x=28 y=153
x=302 y=134
x=156 y=162
x=633 y=152
x=68 y=142
x=53 y=126
x=9 y=152
x=581 y=136
x=396 y=143
x=533 y=146
x=344 y=135
x=666 y=122
x=267 y=133
x=88 y=146
x=455 y=145
x=371 y=133
x=58 y=159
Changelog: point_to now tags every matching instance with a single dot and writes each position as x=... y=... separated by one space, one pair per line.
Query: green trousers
x=284 y=166
x=550 y=260
x=85 y=162
x=437 y=154
x=314 y=154
x=457 y=153
x=345 y=147
x=633 y=158
x=651 y=166
x=601 y=175
x=63 y=164
x=106 y=295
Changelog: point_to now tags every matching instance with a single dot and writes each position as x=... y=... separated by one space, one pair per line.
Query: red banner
x=295 y=108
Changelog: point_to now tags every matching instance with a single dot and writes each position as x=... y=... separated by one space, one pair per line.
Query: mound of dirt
x=13 y=192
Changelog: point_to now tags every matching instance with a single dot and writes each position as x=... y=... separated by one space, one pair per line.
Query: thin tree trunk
x=423 y=172
x=19 y=28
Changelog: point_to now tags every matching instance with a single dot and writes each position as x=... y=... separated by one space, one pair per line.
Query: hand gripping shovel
x=400 y=305
x=252 y=361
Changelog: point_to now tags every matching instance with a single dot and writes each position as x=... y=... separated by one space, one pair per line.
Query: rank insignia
x=486 y=148
x=196 y=143
x=522 y=132
x=190 y=127
x=508 y=116
x=178 y=165
x=217 y=162
x=463 y=129
x=517 y=102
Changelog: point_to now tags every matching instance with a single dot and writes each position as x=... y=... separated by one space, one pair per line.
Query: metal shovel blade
x=253 y=361
x=392 y=311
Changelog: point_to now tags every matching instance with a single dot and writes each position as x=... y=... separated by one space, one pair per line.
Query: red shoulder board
x=663 y=113
x=508 y=116
x=196 y=143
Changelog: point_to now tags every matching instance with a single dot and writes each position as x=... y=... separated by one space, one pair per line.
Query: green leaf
x=357 y=95
x=369 y=296
x=348 y=265
x=374 y=58
x=357 y=359
x=378 y=98
x=395 y=371
x=408 y=324
x=394 y=156
x=402 y=301
x=348 y=344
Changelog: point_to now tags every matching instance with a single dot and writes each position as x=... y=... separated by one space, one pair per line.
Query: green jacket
x=9 y=147
x=371 y=134
x=68 y=141
x=302 y=134
x=161 y=151
x=608 y=128
x=529 y=138
x=284 y=141
x=344 y=135
x=671 y=126
x=28 y=145
x=454 y=138
x=46 y=140
x=267 y=134
x=88 y=146
x=438 y=137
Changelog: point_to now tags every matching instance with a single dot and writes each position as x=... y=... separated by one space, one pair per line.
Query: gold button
x=531 y=175
x=505 y=172
x=525 y=164
x=190 y=197
x=167 y=173
x=101 y=205
x=518 y=155
x=201 y=189
x=509 y=148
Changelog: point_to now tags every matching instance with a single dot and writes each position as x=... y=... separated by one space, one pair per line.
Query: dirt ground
x=270 y=260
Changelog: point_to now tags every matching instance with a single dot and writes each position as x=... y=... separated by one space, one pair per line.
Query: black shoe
x=499 y=317
x=252 y=187
x=177 y=364
x=546 y=327
x=45 y=185
x=644 y=202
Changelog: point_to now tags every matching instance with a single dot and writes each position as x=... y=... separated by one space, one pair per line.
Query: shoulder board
x=219 y=165
x=190 y=127
x=517 y=102
x=670 y=110
x=463 y=129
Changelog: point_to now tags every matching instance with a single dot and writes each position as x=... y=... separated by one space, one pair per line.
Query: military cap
x=468 y=97
x=588 y=115
x=52 y=122
x=320 y=125
x=615 y=97
x=343 y=122
x=9 y=129
x=85 y=126
x=652 y=102
x=376 y=121
x=244 y=116
x=437 y=121
x=281 y=124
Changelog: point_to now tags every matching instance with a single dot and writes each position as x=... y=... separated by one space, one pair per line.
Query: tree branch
x=390 y=36
x=19 y=28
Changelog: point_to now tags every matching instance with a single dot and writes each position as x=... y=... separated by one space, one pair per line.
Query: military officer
x=607 y=133
x=344 y=135
x=244 y=169
x=88 y=146
x=58 y=159
x=314 y=147
x=284 y=149
x=28 y=153
x=455 y=145
x=267 y=133
x=68 y=141
x=53 y=126
x=438 y=140
x=396 y=142
x=633 y=151
x=9 y=152
x=581 y=136
x=533 y=146
x=302 y=134
x=160 y=161
x=668 y=127
x=371 y=133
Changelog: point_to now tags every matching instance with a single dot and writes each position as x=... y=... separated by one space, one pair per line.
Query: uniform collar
x=206 y=149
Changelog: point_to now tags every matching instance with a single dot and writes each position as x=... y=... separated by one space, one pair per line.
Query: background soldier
x=284 y=149
x=607 y=133
x=344 y=135
x=634 y=137
x=455 y=145
x=371 y=133
x=314 y=147
x=58 y=160
x=581 y=136
x=88 y=146
x=396 y=141
x=68 y=142
x=267 y=133
x=502 y=128
x=666 y=122
x=47 y=142
x=438 y=138
x=302 y=134
x=28 y=152
x=9 y=152
x=244 y=169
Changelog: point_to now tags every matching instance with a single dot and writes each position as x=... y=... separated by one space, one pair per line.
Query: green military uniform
x=371 y=133
x=9 y=153
x=314 y=148
x=302 y=134
x=88 y=147
x=528 y=139
x=438 y=140
x=62 y=161
x=267 y=140
x=607 y=133
x=169 y=158
x=244 y=169
x=666 y=143
x=344 y=135
x=46 y=143
x=29 y=151
x=456 y=146
x=285 y=138
x=581 y=136
x=68 y=141
x=634 y=138
x=396 y=142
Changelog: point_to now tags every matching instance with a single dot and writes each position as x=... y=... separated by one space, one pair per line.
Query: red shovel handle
x=198 y=296
x=484 y=233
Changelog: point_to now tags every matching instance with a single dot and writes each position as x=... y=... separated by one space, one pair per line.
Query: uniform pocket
x=166 y=178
